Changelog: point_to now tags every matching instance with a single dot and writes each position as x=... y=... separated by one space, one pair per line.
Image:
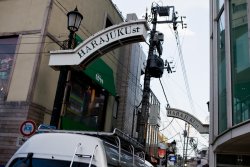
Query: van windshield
x=35 y=162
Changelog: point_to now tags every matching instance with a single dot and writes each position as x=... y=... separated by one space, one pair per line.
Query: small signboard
x=187 y=117
x=172 y=158
x=21 y=140
x=28 y=128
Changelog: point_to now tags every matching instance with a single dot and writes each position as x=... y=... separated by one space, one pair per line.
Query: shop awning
x=102 y=74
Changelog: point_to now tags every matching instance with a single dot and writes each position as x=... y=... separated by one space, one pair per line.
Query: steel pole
x=62 y=91
x=143 y=117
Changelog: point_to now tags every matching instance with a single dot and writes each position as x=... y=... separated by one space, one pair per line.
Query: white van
x=57 y=148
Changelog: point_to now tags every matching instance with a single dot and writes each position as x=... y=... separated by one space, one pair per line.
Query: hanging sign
x=172 y=158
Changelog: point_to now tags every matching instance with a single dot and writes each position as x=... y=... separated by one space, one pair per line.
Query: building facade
x=153 y=133
x=230 y=83
x=29 y=30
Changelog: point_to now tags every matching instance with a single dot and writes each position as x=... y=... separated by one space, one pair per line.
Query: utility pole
x=187 y=143
x=146 y=88
x=155 y=65
x=185 y=146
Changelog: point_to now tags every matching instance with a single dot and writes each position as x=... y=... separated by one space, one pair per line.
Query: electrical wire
x=120 y=63
x=168 y=106
x=168 y=103
x=184 y=72
x=174 y=136
x=28 y=43
x=172 y=118
x=167 y=125
x=65 y=11
x=176 y=65
x=183 y=68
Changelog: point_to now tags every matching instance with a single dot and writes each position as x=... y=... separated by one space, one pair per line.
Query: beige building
x=29 y=30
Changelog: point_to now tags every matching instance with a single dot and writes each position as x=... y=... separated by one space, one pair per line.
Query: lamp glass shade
x=74 y=20
x=173 y=143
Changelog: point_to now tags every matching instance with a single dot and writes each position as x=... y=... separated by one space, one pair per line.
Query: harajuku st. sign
x=100 y=43
x=177 y=113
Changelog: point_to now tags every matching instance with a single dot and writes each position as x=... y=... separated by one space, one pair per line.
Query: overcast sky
x=195 y=51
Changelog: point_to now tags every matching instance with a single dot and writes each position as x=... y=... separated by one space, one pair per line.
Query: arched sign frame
x=100 y=43
x=185 y=116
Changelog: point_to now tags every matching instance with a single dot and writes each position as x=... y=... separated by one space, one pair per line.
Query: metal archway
x=100 y=43
x=177 y=113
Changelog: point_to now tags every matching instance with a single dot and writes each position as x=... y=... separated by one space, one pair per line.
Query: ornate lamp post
x=74 y=21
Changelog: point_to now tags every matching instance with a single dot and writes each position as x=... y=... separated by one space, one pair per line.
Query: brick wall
x=12 y=114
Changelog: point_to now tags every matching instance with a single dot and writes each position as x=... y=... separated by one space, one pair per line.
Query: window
x=240 y=61
x=108 y=23
x=222 y=95
x=115 y=108
x=86 y=108
x=7 y=52
x=232 y=160
x=24 y=162
x=219 y=4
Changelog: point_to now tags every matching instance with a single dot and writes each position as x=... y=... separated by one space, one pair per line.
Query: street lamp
x=62 y=92
x=173 y=144
x=74 y=22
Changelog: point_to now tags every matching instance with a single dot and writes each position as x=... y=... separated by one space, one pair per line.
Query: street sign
x=172 y=158
x=187 y=117
x=101 y=42
x=20 y=140
x=28 y=128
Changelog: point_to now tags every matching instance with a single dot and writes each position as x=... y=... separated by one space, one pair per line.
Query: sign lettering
x=99 y=78
x=176 y=113
x=100 y=43
x=106 y=38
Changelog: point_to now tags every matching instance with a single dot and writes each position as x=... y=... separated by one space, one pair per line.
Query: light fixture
x=74 y=20
x=173 y=143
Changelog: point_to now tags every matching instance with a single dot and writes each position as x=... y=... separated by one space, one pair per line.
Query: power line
x=167 y=125
x=29 y=43
x=184 y=72
x=65 y=11
x=168 y=106
x=13 y=53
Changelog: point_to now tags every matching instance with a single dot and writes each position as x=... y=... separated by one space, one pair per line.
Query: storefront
x=91 y=79
x=88 y=97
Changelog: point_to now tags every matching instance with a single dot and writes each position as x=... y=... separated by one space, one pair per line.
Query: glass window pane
x=222 y=105
x=46 y=163
x=86 y=105
x=7 y=52
x=219 y=4
x=240 y=61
